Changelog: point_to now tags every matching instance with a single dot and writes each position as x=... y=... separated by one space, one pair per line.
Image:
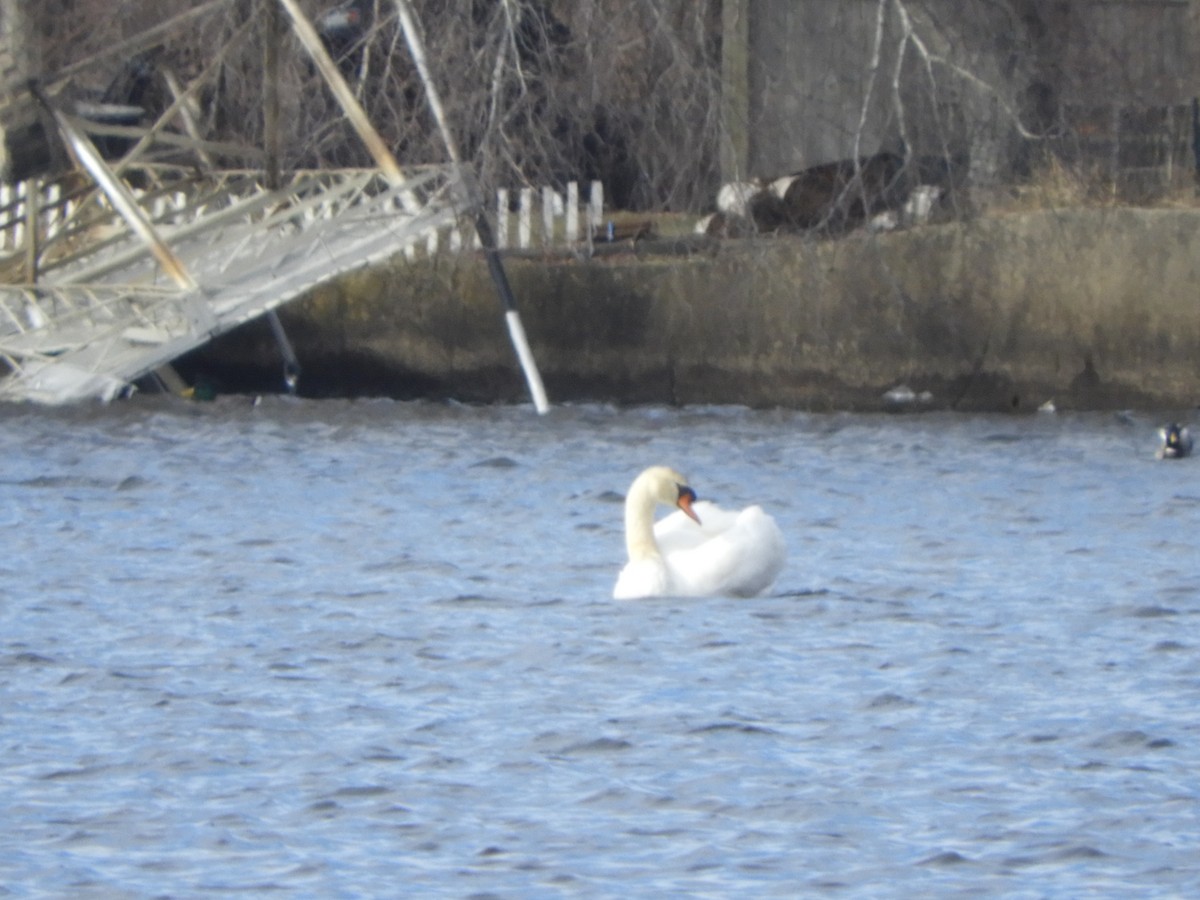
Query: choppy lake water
x=368 y=649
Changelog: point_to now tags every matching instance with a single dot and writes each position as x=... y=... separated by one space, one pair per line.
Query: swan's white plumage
x=726 y=553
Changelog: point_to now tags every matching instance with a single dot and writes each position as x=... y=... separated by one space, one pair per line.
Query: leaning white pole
x=516 y=333
x=416 y=46
x=483 y=227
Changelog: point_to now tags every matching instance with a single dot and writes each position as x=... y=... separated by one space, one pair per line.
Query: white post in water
x=516 y=333
x=482 y=226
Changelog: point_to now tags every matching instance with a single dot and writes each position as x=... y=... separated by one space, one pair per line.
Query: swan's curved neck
x=639 y=524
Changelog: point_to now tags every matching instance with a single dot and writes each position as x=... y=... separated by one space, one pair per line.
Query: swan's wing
x=743 y=560
x=678 y=532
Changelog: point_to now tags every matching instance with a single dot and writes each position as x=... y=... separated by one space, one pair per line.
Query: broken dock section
x=131 y=246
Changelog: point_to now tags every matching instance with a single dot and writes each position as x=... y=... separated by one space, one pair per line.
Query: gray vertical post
x=735 y=89
x=33 y=217
x=271 y=96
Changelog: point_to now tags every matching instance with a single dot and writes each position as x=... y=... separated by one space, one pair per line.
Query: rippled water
x=368 y=649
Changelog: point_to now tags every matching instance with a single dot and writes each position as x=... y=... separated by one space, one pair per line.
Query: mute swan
x=1176 y=442
x=699 y=551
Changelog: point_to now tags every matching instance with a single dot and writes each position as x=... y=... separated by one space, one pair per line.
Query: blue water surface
x=351 y=649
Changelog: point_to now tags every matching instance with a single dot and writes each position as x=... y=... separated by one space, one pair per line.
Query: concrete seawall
x=1092 y=309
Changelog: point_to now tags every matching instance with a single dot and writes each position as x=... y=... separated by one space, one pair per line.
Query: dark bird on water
x=1176 y=442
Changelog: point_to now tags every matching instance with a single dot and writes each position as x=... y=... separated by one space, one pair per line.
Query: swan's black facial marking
x=686 y=498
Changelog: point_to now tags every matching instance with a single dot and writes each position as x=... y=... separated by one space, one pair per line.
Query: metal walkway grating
x=105 y=314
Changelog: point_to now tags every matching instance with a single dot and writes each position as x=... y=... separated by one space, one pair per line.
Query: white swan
x=699 y=551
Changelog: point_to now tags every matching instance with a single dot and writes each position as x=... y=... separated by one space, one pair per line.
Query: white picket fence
x=530 y=219
x=14 y=212
x=526 y=218
x=559 y=218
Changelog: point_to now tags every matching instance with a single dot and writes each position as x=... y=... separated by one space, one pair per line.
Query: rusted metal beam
x=343 y=94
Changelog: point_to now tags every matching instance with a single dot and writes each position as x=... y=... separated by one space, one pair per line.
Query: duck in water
x=1176 y=442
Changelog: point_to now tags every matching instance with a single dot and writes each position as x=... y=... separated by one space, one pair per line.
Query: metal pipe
x=291 y=363
x=483 y=227
x=33 y=215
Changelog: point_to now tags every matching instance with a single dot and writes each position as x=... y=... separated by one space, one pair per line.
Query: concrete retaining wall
x=1088 y=308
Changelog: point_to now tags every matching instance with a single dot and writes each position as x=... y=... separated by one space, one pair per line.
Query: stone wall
x=1088 y=308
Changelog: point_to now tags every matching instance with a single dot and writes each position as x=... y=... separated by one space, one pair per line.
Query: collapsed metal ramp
x=107 y=315
x=151 y=262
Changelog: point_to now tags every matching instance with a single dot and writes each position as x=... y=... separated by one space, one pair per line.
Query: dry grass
x=1058 y=186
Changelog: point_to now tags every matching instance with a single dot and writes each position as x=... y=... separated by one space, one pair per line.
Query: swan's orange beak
x=686 y=498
